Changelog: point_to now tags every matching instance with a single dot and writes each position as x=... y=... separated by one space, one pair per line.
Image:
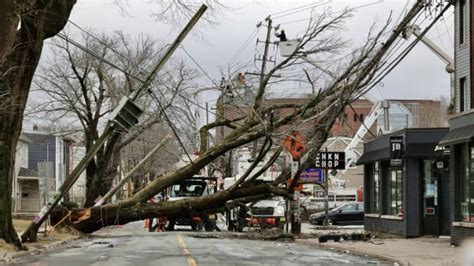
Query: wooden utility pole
x=263 y=72
x=31 y=232
x=265 y=51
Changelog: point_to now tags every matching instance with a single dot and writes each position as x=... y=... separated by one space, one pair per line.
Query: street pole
x=263 y=74
x=31 y=231
x=326 y=194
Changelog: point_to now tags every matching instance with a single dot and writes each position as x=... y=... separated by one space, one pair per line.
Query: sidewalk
x=416 y=251
x=53 y=240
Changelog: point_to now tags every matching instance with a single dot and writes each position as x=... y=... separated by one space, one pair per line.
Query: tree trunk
x=101 y=172
x=9 y=132
x=93 y=219
x=18 y=62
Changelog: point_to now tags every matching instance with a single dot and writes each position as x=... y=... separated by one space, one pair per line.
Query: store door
x=430 y=206
x=436 y=215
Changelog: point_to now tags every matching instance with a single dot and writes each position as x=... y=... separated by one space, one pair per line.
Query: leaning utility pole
x=126 y=109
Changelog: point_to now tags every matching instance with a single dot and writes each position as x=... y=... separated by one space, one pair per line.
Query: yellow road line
x=191 y=261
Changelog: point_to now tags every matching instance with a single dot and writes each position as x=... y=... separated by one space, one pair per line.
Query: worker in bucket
x=281 y=35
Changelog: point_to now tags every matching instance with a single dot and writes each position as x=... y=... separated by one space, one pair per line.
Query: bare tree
x=262 y=122
x=80 y=87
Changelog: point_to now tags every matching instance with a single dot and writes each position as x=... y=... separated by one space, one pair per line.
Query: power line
x=245 y=43
x=126 y=73
x=350 y=9
x=199 y=66
x=85 y=49
x=295 y=8
x=169 y=123
x=304 y=9
x=106 y=45
x=399 y=58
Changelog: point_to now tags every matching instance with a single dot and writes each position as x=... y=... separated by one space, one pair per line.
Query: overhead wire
x=170 y=124
x=350 y=9
x=199 y=66
x=245 y=44
x=295 y=8
x=85 y=49
x=401 y=56
x=304 y=9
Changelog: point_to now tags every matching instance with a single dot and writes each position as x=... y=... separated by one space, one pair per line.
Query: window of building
x=462 y=94
x=375 y=183
x=394 y=203
x=467 y=185
x=462 y=20
x=430 y=194
x=358 y=117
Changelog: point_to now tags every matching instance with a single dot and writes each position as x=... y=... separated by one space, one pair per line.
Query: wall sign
x=396 y=151
x=331 y=160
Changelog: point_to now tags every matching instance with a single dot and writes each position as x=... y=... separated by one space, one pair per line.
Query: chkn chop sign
x=331 y=160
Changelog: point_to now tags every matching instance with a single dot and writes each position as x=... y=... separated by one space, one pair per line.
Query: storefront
x=460 y=141
x=406 y=183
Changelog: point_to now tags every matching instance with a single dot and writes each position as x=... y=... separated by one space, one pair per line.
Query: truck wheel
x=196 y=226
x=210 y=226
x=170 y=226
x=231 y=226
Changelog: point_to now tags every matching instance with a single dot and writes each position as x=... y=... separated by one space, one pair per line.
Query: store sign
x=396 y=151
x=442 y=149
x=331 y=160
x=311 y=175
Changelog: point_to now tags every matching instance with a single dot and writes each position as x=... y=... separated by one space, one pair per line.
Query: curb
x=330 y=247
x=25 y=253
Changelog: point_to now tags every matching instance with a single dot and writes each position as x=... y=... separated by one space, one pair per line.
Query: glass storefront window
x=430 y=195
x=467 y=185
x=395 y=193
x=375 y=207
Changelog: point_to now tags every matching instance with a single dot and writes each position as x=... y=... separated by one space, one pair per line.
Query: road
x=133 y=245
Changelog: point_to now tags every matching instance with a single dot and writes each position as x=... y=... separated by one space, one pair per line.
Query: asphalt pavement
x=134 y=245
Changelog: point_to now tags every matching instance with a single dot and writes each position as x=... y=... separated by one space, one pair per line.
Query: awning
x=373 y=156
x=458 y=135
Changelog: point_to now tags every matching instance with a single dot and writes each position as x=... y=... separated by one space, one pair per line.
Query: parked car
x=346 y=214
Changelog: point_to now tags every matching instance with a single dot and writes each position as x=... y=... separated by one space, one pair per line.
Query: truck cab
x=196 y=186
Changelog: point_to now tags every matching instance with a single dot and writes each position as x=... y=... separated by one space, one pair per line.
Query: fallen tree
x=322 y=109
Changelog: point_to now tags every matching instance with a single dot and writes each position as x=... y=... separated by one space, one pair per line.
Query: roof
x=418 y=142
x=25 y=172
x=24 y=138
x=458 y=135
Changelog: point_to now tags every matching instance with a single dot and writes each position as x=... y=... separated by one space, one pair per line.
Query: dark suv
x=346 y=214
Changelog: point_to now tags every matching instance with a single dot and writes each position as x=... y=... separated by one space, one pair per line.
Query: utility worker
x=281 y=35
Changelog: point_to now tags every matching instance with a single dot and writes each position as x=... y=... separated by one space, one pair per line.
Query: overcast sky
x=421 y=75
